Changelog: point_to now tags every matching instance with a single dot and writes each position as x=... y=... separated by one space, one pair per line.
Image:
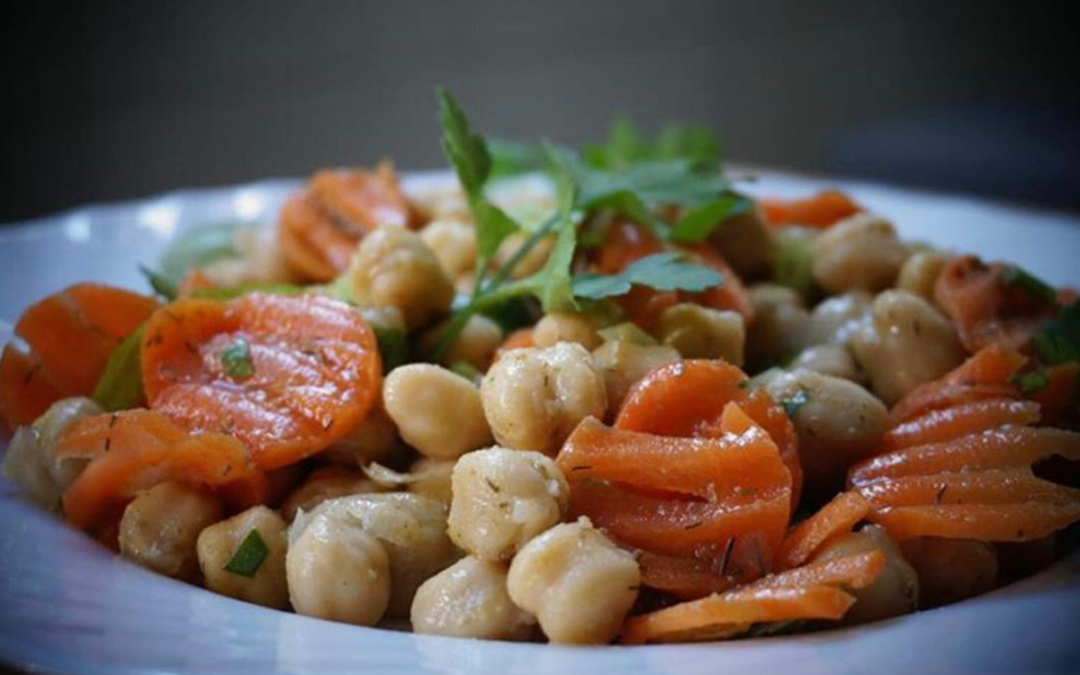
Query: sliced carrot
x=811 y=592
x=315 y=371
x=195 y=280
x=261 y=487
x=821 y=210
x=1058 y=399
x=985 y=375
x=731 y=294
x=960 y=420
x=687 y=398
x=1026 y=521
x=837 y=517
x=133 y=450
x=114 y=311
x=25 y=389
x=688 y=578
x=990 y=486
x=522 y=338
x=624 y=242
x=1004 y=447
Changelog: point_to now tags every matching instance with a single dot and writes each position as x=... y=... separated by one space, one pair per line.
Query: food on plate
x=588 y=397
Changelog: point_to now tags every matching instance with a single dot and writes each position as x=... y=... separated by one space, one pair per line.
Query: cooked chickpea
x=31 y=461
x=337 y=571
x=837 y=421
x=860 y=252
x=386 y=318
x=159 y=528
x=219 y=543
x=375 y=439
x=438 y=412
x=393 y=268
x=951 y=569
x=828 y=359
x=702 y=333
x=894 y=592
x=412 y=531
x=781 y=325
x=453 y=242
x=903 y=342
x=503 y=498
x=469 y=599
x=624 y=363
x=835 y=319
x=533 y=398
x=475 y=344
x=432 y=478
x=920 y=272
x=565 y=327
x=748 y=244
x=578 y=584
x=326 y=483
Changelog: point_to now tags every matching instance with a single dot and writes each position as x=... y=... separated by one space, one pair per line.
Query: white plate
x=67 y=605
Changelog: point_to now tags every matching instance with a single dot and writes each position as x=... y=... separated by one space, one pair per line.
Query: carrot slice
x=837 y=517
x=984 y=375
x=315 y=371
x=25 y=389
x=137 y=449
x=821 y=210
x=811 y=592
x=991 y=486
x=1026 y=521
x=687 y=398
x=731 y=294
x=1058 y=399
x=1004 y=447
x=522 y=338
x=943 y=425
x=690 y=578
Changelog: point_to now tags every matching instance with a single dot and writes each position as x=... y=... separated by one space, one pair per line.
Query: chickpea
x=337 y=571
x=469 y=599
x=748 y=244
x=432 y=478
x=951 y=569
x=860 y=252
x=894 y=592
x=566 y=327
x=624 y=363
x=326 y=483
x=218 y=544
x=920 y=272
x=578 y=584
x=411 y=530
x=781 y=325
x=438 y=412
x=702 y=333
x=453 y=242
x=835 y=319
x=393 y=268
x=476 y=344
x=533 y=260
x=386 y=318
x=903 y=342
x=837 y=422
x=533 y=398
x=159 y=528
x=258 y=260
x=827 y=359
x=375 y=439
x=442 y=201
x=503 y=498
x=31 y=461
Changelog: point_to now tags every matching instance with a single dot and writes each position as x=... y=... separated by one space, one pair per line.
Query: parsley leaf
x=698 y=223
x=249 y=555
x=159 y=283
x=1030 y=382
x=663 y=271
x=236 y=360
x=794 y=402
x=197 y=247
x=510 y=158
x=1032 y=285
x=625 y=146
x=1058 y=341
x=120 y=386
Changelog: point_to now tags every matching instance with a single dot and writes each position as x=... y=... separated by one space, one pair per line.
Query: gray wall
x=112 y=100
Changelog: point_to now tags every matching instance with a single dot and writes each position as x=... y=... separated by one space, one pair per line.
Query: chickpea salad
x=585 y=396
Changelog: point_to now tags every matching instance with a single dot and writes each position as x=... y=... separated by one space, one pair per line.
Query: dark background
x=109 y=100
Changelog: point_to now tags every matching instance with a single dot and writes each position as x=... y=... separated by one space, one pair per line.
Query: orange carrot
x=731 y=294
x=689 y=578
x=261 y=487
x=195 y=280
x=1058 y=399
x=311 y=371
x=990 y=486
x=25 y=389
x=134 y=450
x=985 y=375
x=960 y=420
x=522 y=338
x=1026 y=521
x=837 y=517
x=822 y=210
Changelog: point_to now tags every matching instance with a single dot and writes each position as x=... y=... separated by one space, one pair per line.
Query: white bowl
x=67 y=605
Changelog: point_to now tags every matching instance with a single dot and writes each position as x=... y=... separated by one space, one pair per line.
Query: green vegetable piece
x=1029 y=283
x=1058 y=341
x=120 y=386
x=161 y=285
x=466 y=370
x=699 y=223
x=796 y=401
x=393 y=347
x=626 y=332
x=663 y=271
x=511 y=158
x=794 y=264
x=236 y=360
x=197 y=247
x=231 y=292
x=1031 y=382
x=249 y=555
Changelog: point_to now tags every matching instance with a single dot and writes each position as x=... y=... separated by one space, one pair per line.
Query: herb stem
x=506 y=270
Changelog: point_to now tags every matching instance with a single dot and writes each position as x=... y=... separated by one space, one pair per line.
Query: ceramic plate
x=68 y=606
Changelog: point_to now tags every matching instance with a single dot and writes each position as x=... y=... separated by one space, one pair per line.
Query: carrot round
x=1025 y=521
x=966 y=418
x=522 y=338
x=821 y=210
x=837 y=517
x=134 y=450
x=312 y=371
x=25 y=390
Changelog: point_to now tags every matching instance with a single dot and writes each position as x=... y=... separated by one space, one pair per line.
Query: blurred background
x=113 y=100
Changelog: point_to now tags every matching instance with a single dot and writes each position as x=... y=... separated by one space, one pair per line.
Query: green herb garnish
x=236 y=360
x=1030 y=382
x=662 y=271
x=1032 y=285
x=393 y=346
x=159 y=283
x=793 y=403
x=197 y=247
x=1058 y=340
x=120 y=386
x=466 y=370
x=230 y=292
x=249 y=556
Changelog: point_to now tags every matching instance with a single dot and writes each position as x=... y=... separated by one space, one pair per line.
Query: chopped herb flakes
x=236 y=360
x=249 y=556
x=1031 y=382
